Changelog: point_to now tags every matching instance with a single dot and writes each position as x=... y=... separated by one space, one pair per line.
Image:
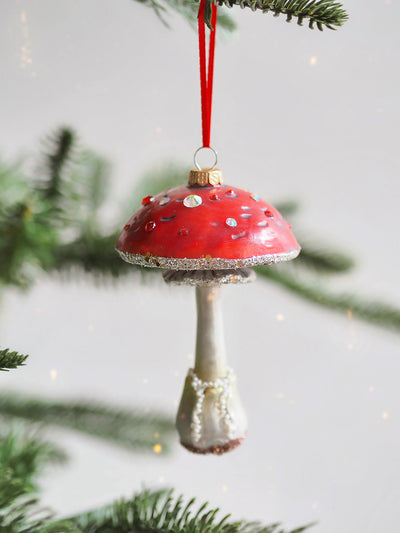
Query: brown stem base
x=217 y=449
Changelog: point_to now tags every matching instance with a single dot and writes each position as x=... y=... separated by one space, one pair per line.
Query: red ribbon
x=206 y=75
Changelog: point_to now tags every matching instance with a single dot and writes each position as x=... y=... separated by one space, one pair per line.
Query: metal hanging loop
x=205 y=148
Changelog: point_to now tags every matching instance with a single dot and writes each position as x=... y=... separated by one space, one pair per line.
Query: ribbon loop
x=206 y=72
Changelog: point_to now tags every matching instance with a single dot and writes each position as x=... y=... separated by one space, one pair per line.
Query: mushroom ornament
x=207 y=234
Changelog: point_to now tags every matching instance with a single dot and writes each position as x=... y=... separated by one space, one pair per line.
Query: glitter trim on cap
x=203 y=263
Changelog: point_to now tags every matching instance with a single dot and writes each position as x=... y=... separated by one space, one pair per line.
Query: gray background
x=321 y=391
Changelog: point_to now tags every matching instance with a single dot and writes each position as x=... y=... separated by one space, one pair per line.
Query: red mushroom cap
x=206 y=228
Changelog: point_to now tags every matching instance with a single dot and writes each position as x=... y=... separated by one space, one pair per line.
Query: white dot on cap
x=193 y=200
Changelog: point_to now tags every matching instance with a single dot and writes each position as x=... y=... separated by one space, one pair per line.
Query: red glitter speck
x=147 y=199
x=213 y=195
x=150 y=226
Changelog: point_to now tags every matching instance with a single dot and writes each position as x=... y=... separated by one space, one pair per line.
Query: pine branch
x=36 y=224
x=60 y=145
x=376 y=312
x=85 y=188
x=14 y=186
x=322 y=13
x=26 y=240
x=22 y=458
x=94 y=254
x=9 y=360
x=90 y=184
x=25 y=516
x=160 y=512
x=324 y=261
x=188 y=9
x=130 y=429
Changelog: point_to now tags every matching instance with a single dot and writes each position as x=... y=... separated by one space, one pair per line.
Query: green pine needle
x=322 y=13
x=131 y=429
x=160 y=512
x=9 y=360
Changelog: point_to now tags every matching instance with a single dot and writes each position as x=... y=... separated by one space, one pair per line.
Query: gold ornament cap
x=205 y=176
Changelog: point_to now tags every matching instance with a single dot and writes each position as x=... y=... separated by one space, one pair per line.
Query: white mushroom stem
x=210 y=363
x=210 y=417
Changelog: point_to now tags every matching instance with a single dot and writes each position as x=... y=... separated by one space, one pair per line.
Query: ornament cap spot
x=192 y=200
x=231 y=222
